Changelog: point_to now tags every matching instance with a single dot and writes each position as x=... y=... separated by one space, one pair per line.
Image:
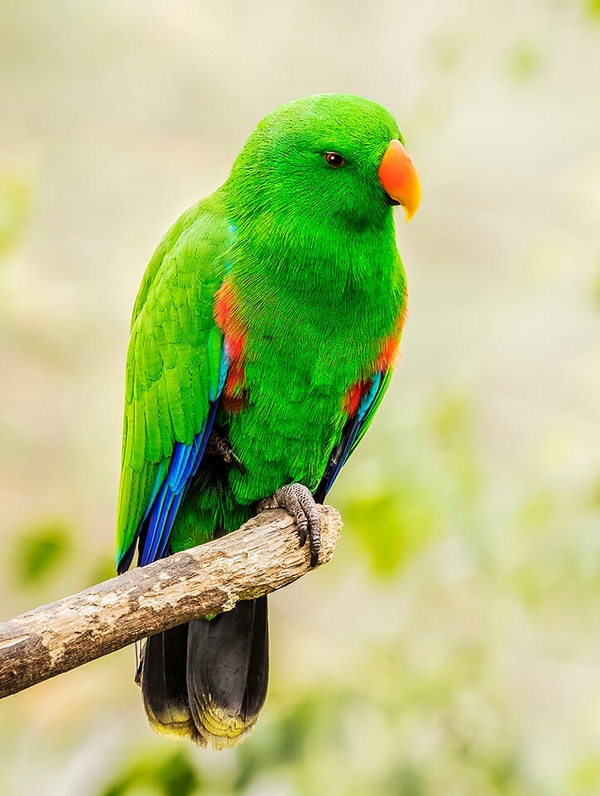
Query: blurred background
x=453 y=645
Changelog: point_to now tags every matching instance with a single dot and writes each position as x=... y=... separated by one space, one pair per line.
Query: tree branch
x=263 y=555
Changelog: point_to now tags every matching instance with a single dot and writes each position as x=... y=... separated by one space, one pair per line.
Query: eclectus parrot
x=262 y=341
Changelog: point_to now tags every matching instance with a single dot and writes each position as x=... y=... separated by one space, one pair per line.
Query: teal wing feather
x=175 y=367
x=353 y=431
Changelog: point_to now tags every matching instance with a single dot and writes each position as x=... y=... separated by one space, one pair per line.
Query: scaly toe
x=298 y=500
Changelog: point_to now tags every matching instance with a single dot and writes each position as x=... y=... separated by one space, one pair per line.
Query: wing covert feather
x=170 y=362
x=354 y=430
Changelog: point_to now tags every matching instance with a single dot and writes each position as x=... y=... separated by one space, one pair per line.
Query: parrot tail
x=207 y=680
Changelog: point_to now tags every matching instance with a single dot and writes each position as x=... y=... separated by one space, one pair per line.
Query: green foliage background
x=452 y=647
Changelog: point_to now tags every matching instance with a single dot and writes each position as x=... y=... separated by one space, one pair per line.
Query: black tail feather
x=163 y=682
x=208 y=679
x=228 y=671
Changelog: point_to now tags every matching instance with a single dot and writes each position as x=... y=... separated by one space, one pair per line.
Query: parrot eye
x=334 y=159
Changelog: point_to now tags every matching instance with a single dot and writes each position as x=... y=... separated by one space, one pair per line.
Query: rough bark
x=262 y=556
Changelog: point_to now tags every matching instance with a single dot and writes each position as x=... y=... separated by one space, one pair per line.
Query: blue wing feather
x=168 y=525
x=184 y=465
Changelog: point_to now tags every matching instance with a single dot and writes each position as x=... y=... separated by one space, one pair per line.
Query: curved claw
x=299 y=502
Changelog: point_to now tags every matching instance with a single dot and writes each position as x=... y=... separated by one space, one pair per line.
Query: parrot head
x=337 y=158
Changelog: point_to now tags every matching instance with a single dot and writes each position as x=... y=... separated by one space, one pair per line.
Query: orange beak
x=399 y=178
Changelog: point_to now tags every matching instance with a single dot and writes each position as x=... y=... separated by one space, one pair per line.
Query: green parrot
x=262 y=341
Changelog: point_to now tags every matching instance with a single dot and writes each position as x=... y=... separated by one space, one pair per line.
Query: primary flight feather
x=262 y=341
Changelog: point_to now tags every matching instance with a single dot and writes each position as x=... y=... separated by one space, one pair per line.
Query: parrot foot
x=299 y=502
x=219 y=446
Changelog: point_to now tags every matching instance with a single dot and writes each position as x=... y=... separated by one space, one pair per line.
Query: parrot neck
x=297 y=253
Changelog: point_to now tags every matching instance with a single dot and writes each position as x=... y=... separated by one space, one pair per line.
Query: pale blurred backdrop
x=452 y=647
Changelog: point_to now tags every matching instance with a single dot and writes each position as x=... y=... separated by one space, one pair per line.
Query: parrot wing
x=354 y=430
x=176 y=368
